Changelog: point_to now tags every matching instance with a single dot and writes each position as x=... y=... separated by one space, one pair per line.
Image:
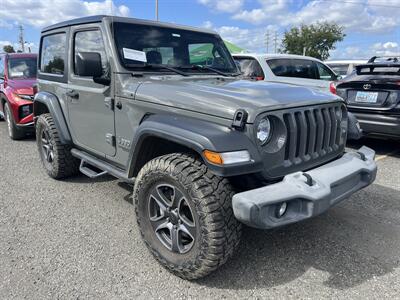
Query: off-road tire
x=218 y=232
x=63 y=163
x=14 y=132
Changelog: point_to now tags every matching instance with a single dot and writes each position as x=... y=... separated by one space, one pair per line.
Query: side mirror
x=88 y=64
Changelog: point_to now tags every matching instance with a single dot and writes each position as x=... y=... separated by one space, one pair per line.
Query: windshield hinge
x=239 y=119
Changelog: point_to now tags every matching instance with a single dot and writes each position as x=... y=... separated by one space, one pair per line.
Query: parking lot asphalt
x=78 y=239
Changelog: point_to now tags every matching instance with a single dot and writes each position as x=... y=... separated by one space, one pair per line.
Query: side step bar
x=85 y=169
x=88 y=160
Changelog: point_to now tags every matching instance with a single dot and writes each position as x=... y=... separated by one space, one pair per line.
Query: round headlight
x=264 y=131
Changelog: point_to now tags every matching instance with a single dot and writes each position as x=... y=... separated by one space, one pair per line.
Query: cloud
x=227 y=6
x=388 y=48
x=252 y=40
x=5 y=24
x=207 y=25
x=361 y=16
x=40 y=13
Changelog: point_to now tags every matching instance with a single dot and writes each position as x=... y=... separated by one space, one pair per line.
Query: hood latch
x=239 y=119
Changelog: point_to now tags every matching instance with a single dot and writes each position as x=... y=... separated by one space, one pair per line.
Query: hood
x=22 y=86
x=221 y=97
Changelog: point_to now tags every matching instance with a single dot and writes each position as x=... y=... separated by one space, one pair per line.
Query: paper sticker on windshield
x=17 y=74
x=134 y=54
x=176 y=35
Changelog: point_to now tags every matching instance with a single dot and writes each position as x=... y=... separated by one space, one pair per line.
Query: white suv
x=287 y=68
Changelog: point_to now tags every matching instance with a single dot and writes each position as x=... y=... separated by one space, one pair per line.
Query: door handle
x=118 y=105
x=72 y=94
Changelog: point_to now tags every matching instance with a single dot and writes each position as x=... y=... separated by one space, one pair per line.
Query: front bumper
x=306 y=197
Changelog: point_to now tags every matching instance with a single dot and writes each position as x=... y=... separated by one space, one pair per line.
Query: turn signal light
x=227 y=158
x=213 y=157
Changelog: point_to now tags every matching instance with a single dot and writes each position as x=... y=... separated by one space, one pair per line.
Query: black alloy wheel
x=172 y=218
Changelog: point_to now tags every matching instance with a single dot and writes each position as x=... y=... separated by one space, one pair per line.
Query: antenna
x=21 y=38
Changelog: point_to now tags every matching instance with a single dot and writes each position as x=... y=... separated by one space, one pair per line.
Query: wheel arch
x=45 y=102
x=164 y=134
x=3 y=100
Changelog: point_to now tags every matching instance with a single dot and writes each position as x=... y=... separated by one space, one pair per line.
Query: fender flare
x=51 y=102
x=198 y=135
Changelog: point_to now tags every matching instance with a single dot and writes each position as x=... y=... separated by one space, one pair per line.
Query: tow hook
x=362 y=155
x=309 y=179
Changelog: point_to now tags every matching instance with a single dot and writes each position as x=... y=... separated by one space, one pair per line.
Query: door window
x=300 y=68
x=90 y=41
x=324 y=72
x=53 y=54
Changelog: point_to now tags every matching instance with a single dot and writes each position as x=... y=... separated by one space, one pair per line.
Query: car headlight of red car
x=20 y=97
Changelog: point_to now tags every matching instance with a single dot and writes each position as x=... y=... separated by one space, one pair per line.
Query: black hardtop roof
x=99 y=18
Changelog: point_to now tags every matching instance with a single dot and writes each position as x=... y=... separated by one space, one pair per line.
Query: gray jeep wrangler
x=163 y=107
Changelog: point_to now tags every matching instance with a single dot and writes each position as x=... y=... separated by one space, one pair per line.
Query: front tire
x=56 y=157
x=185 y=216
x=13 y=131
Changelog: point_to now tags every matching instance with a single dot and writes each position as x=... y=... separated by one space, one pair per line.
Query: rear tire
x=178 y=199
x=14 y=132
x=55 y=156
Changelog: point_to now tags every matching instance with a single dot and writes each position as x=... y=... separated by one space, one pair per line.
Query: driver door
x=90 y=113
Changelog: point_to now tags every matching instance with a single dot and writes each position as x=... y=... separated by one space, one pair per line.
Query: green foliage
x=8 y=49
x=55 y=66
x=313 y=40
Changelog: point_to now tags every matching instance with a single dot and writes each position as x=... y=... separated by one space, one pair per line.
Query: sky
x=372 y=27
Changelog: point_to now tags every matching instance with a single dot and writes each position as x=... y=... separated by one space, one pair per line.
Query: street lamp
x=156 y=10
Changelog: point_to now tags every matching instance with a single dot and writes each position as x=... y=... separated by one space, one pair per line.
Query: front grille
x=313 y=133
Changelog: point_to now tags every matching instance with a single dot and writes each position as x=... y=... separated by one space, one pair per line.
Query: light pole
x=156 y=10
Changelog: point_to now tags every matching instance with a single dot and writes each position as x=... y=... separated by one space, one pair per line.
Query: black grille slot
x=312 y=132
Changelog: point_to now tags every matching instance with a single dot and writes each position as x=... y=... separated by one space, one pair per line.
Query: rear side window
x=90 y=41
x=249 y=67
x=53 y=54
x=300 y=68
x=324 y=72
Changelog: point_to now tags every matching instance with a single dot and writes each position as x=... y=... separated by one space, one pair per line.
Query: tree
x=313 y=40
x=8 y=49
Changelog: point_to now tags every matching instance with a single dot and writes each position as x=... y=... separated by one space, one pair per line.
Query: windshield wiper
x=202 y=67
x=157 y=66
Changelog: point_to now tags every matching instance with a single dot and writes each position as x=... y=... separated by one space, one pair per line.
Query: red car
x=17 y=88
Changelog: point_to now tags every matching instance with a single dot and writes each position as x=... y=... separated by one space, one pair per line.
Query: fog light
x=25 y=111
x=281 y=209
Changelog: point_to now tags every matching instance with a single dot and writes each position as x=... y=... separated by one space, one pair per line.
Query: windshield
x=22 y=67
x=141 y=45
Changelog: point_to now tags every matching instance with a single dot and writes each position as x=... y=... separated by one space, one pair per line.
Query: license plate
x=367 y=97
